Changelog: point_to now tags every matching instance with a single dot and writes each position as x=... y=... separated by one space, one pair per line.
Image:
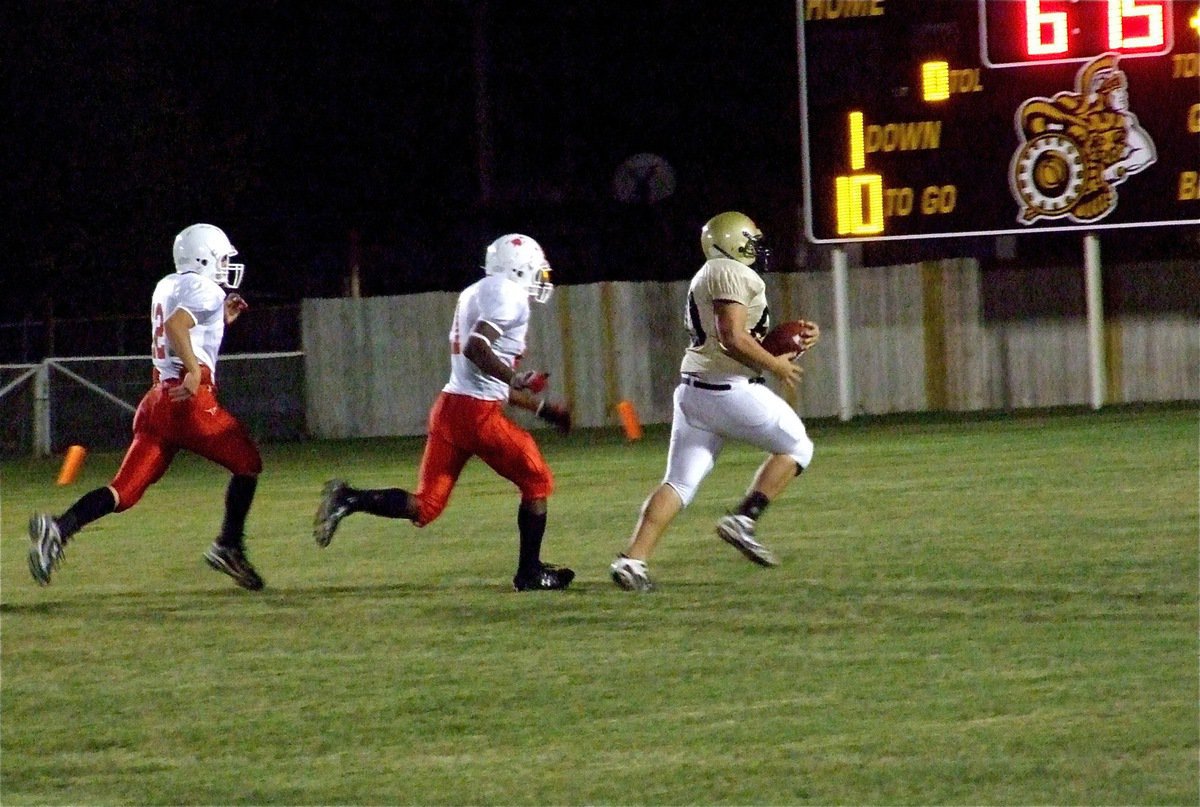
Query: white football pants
x=705 y=419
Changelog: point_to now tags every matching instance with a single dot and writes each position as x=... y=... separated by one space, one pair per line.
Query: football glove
x=556 y=415
x=530 y=380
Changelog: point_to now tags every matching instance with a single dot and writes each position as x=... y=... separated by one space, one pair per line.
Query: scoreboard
x=940 y=118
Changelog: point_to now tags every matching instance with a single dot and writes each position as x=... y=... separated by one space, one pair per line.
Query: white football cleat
x=631 y=574
x=738 y=532
x=46 y=547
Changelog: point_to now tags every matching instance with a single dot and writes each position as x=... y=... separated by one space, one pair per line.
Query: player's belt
x=205 y=377
x=692 y=381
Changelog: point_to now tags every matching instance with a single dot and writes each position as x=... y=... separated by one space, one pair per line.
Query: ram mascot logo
x=1076 y=147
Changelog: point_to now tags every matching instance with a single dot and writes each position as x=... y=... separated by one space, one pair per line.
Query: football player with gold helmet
x=721 y=396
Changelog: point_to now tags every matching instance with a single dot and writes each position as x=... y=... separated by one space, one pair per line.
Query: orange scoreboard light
x=940 y=118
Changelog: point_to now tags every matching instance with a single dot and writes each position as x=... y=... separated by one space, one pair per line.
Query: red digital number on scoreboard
x=1020 y=32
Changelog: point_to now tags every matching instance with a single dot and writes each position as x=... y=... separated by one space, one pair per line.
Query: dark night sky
x=295 y=124
x=290 y=124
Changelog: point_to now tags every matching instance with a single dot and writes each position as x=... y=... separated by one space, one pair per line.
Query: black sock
x=386 y=502
x=90 y=506
x=753 y=505
x=238 y=497
x=532 y=526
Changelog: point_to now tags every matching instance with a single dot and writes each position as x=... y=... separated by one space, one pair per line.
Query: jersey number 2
x=158 y=346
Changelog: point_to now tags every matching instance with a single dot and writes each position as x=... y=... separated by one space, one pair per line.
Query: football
x=785 y=337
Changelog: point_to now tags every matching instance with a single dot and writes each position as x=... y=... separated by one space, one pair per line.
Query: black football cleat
x=330 y=511
x=547 y=577
x=231 y=560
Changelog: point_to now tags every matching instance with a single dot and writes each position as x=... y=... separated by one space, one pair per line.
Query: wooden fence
x=918 y=341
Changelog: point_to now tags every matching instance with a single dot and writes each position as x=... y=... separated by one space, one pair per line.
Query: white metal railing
x=41 y=400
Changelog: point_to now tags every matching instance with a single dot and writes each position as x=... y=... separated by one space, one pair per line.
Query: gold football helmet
x=734 y=235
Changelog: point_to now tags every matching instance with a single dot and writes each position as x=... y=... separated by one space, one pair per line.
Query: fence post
x=41 y=410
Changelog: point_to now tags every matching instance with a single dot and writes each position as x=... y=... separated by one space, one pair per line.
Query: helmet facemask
x=206 y=250
x=229 y=274
x=520 y=259
x=756 y=251
x=735 y=236
x=540 y=287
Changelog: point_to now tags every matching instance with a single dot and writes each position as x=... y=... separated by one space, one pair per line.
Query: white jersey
x=502 y=304
x=722 y=279
x=205 y=301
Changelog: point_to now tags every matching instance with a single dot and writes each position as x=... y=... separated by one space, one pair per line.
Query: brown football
x=784 y=338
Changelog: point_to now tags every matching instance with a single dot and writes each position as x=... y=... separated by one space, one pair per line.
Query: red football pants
x=461 y=427
x=161 y=427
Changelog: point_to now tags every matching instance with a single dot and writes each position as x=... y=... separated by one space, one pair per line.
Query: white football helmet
x=205 y=250
x=520 y=259
x=734 y=235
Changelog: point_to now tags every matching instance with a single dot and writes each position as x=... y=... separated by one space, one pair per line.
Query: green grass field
x=998 y=610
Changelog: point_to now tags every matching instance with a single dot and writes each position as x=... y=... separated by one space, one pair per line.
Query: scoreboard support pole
x=841 y=325
x=1094 y=289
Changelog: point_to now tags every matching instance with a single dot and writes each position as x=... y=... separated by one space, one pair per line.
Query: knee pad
x=127 y=495
x=686 y=492
x=802 y=453
x=247 y=462
x=539 y=486
x=428 y=509
x=801 y=445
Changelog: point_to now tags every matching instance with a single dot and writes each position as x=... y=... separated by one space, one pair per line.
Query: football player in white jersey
x=721 y=395
x=487 y=338
x=188 y=314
